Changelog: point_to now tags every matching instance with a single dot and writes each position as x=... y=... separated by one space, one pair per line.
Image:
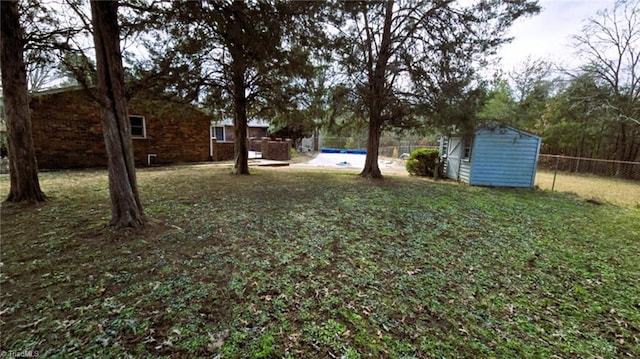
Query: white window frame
x=224 y=137
x=144 y=127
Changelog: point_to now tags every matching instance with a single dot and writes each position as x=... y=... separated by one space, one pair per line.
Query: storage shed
x=495 y=155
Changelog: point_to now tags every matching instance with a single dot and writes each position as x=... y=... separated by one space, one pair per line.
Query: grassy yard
x=309 y=264
x=612 y=190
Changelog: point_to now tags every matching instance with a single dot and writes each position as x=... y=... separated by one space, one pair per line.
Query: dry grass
x=606 y=189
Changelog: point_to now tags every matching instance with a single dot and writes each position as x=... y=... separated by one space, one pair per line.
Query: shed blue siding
x=504 y=157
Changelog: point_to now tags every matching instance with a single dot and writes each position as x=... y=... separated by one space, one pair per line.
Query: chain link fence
x=349 y=143
x=580 y=165
x=401 y=150
x=616 y=182
x=394 y=148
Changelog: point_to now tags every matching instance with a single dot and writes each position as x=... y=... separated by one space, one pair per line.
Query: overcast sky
x=548 y=34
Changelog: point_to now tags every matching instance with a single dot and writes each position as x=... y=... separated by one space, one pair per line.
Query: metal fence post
x=555 y=172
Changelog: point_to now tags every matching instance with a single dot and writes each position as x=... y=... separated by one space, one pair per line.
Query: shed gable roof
x=494 y=127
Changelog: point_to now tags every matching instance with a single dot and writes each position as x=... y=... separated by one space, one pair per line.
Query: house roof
x=55 y=90
x=48 y=91
x=493 y=126
x=250 y=123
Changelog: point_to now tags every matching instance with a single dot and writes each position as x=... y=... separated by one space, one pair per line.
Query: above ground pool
x=342 y=150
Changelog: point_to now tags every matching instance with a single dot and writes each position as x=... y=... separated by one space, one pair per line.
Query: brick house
x=222 y=131
x=67 y=131
x=223 y=137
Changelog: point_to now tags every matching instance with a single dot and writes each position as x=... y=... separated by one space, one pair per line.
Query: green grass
x=306 y=264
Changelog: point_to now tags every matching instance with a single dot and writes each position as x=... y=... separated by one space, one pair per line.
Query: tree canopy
x=247 y=59
x=414 y=63
x=597 y=113
x=349 y=66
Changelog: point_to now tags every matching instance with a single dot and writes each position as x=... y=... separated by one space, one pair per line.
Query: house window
x=138 y=128
x=466 y=152
x=217 y=132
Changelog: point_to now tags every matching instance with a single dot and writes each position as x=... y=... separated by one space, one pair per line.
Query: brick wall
x=223 y=151
x=273 y=150
x=175 y=133
x=67 y=131
x=255 y=144
x=278 y=150
x=257 y=132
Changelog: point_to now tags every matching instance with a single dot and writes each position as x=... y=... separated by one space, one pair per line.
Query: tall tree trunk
x=241 y=150
x=599 y=138
x=580 y=152
x=23 y=167
x=126 y=207
x=377 y=94
x=629 y=153
x=316 y=139
x=635 y=149
x=371 y=168
x=621 y=148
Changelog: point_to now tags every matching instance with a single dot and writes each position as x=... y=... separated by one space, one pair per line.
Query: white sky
x=548 y=34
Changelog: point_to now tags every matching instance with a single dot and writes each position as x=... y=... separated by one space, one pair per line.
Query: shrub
x=424 y=162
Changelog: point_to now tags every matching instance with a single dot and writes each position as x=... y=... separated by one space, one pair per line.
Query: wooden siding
x=465 y=171
x=504 y=157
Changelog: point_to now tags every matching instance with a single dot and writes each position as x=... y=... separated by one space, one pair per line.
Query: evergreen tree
x=408 y=61
x=245 y=54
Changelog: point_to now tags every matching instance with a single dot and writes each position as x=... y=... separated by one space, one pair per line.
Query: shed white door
x=454 y=153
